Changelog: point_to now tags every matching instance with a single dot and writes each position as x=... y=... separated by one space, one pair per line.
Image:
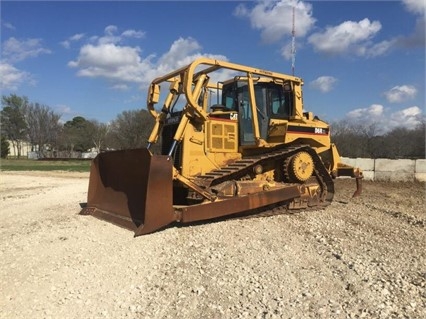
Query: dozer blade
x=132 y=189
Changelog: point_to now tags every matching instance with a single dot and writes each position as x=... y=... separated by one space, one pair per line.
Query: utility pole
x=293 y=44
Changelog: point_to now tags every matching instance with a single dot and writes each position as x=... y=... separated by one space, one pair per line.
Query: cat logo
x=319 y=130
x=233 y=116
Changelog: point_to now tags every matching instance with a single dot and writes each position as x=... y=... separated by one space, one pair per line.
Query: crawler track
x=240 y=169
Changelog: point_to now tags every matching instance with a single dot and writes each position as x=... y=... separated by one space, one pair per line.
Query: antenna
x=293 y=44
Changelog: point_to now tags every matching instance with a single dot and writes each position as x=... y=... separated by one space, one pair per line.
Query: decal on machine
x=233 y=116
x=307 y=130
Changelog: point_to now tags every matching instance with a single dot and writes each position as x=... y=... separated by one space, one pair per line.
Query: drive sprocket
x=299 y=167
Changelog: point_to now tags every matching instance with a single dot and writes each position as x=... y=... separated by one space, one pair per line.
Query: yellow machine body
x=253 y=147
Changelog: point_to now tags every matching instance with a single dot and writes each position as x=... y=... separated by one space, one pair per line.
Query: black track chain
x=243 y=167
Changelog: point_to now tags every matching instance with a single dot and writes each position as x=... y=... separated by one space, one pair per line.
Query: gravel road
x=361 y=258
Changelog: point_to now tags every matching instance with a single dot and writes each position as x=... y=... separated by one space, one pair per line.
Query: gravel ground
x=361 y=258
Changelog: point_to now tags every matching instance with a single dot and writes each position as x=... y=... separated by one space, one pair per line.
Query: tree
x=357 y=140
x=346 y=138
x=77 y=135
x=13 y=124
x=419 y=139
x=131 y=129
x=4 y=147
x=43 y=127
x=404 y=143
x=99 y=136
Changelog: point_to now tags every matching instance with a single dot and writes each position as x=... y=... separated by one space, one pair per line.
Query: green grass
x=34 y=165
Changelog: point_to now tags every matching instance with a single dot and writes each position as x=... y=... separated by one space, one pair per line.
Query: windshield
x=271 y=98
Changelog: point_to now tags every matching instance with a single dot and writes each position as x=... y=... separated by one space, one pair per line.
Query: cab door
x=246 y=115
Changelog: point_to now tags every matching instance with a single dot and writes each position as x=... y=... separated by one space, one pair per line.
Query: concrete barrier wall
x=420 y=170
x=381 y=169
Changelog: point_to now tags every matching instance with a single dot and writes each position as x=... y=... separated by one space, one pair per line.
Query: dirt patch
x=359 y=258
x=65 y=174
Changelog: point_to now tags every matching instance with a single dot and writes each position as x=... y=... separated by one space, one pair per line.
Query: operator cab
x=272 y=101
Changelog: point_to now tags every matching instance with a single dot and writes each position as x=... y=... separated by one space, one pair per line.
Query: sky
x=361 y=61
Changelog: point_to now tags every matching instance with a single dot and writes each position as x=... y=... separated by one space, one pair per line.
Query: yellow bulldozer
x=228 y=147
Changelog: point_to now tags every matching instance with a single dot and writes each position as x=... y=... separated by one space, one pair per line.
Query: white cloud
x=9 y=26
x=375 y=111
x=133 y=34
x=409 y=117
x=400 y=93
x=63 y=109
x=111 y=35
x=105 y=57
x=377 y=49
x=111 y=61
x=286 y=49
x=120 y=87
x=416 y=39
x=66 y=44
x=324 y=83
x=15 y=50
x=11 y=78
x=76 y=37
x=66 y=112
x=180 y=50
x=122 y=65
x=350 y=36
x=415 y=6
x=275 y=18
x=376 y=114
